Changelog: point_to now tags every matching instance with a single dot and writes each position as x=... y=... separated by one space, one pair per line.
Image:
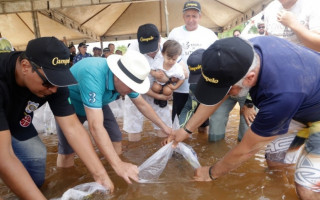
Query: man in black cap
x=82 y=47
x=148 y=43
x=194 y=64
x=106 y=52
x=284 y=83
x=28 y=80
x=72 y=50
x=97 y=52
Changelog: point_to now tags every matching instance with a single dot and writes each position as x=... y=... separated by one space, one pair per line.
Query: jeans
x=219 y=119
x=179 y=100
x=188 y=110
x=33 y=154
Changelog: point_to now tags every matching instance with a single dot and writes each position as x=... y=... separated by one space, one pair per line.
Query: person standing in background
x=149 y=43
x=191 y=36
x=261 y=28
x=111 y=47
x=82 y=53
x=106 y=52
x=96 y=52
x=72 y=50
x=236 y=33
x=294 y=20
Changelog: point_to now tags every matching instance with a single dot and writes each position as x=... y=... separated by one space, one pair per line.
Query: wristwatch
x=249 y=105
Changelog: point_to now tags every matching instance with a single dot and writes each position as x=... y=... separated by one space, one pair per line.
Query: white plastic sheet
x=83 y=191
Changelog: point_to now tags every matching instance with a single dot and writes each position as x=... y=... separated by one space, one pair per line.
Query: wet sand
x=253 y=180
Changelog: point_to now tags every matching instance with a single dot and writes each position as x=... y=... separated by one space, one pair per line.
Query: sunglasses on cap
x=45 y=82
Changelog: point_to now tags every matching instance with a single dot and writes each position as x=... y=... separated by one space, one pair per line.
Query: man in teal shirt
x=101 y=81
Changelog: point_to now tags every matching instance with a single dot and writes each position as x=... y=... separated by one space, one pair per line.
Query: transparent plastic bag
x=43 y=120
x=83 y=191
x=189 y=154
x=152 y=168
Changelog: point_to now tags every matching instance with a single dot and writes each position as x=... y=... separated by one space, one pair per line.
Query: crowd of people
x=275 y=78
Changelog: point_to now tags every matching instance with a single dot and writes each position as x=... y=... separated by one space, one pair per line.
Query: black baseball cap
x=96 y=48
x=82 y=44
x=70 y=46
x=224 y=63
x=192 y=5
x=53 y=56
x=194 y=64
x=148 y=37
x=106 y=50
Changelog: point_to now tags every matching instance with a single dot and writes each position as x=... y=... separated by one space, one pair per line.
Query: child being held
x=174 y=71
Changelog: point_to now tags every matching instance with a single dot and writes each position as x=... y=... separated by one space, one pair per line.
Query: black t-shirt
x=18 y=103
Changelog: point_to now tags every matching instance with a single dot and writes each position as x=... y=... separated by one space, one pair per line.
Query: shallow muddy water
x=252 y=180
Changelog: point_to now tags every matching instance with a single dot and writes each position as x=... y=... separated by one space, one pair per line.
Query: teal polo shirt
x=95 y=86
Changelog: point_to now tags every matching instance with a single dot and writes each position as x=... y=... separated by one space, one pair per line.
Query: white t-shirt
x=190 y=41
x=306 y=11
x=175 y=71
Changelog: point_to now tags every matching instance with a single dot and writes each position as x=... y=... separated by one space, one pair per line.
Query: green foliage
x=229 y=33
x=253 y=30
x=123 y=48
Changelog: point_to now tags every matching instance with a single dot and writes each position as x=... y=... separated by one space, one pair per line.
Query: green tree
x=229 y=33
x=122 y=48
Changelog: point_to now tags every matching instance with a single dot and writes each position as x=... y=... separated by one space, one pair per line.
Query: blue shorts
x=109 y=122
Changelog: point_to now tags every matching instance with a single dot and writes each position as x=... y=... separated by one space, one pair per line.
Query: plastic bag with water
x=152 y=168
x=84 y=192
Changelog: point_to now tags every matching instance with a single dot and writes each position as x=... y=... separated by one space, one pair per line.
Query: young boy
x=174 y=71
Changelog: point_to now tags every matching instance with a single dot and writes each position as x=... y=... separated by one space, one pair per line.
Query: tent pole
x=101 y=43
x=166 y=16
x=36 y=24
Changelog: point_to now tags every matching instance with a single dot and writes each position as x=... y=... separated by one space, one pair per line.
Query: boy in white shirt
x=174 y=71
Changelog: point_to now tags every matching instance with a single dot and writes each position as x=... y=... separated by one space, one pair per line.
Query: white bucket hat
x=132 y=69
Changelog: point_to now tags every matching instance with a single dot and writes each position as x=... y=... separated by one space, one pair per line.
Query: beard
x=243 y=92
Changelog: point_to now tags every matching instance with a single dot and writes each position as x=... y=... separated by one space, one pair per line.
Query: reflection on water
x=250 y=181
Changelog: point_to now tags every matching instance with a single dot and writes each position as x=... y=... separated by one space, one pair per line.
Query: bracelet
x=187 y=130
x=210 y=175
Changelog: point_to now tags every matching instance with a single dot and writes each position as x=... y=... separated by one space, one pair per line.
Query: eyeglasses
x=261 y=27
x=45 y=82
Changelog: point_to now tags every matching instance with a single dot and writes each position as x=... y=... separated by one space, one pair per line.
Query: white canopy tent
x=110 y=20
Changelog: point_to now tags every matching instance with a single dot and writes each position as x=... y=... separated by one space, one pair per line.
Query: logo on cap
x=195 y=68
x=142 y=39
x=57 y=61
x=211 y=80
x=191 y=5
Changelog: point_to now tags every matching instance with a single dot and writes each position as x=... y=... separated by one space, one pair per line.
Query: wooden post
x=166 y=16
x=36 y=24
